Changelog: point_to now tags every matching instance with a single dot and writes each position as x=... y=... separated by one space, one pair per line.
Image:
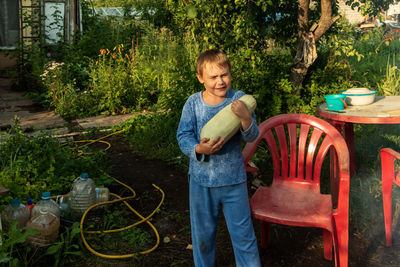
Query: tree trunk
x=306 y=50
x=297 y=74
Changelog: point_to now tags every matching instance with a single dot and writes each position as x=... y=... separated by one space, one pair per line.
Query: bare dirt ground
x=290 y=246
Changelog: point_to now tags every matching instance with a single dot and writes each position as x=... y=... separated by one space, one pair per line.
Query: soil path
x=13 y=103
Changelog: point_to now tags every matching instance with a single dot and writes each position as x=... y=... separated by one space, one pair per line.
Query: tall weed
x=165 y=65
x=111 y=80
x=372 y=69
x=12 y=249
x=390 y=84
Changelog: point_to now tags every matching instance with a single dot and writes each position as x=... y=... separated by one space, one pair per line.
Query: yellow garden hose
x=118 y=199
x=89 y=142
x=122 y=229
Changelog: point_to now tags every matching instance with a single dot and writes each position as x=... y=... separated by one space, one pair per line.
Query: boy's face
x=216 y=79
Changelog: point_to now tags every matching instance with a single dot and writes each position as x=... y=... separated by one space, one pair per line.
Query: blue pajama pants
x=204 y=208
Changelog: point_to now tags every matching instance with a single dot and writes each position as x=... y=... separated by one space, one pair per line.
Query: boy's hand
x=240 y=109
x=208 y=147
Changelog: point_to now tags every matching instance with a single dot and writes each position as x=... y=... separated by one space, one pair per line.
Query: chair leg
x=388 y=176
x=341 y=250
x=327 y=244
x=265 y=233
x=387 y=210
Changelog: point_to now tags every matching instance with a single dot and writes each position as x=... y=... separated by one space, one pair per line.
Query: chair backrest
x=298 y=144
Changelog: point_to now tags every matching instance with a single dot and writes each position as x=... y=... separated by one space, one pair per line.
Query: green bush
x=380 y=53
x=156 y=72
x=263 y=75
x=32 y=165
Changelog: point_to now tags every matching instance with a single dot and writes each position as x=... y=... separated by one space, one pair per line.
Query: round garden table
x=384 y=110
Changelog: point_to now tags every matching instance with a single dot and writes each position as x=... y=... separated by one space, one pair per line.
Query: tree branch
x=326 y=21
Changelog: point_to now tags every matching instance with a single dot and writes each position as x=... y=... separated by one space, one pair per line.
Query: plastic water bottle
x=48 y=203
x=48 y=226
x=15 y=211
x=64 y=206
x=83 y=195
x=102 y=194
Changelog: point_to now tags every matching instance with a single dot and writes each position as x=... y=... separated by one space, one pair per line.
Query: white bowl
x=359 y=96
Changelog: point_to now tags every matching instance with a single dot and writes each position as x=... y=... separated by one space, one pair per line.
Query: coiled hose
x=118 y=199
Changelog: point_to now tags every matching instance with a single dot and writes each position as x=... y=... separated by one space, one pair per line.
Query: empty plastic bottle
x=102 y=194
x=64 y=206
x=48 y=226
x=15 y=211
x=83 y=195
x=48 y=203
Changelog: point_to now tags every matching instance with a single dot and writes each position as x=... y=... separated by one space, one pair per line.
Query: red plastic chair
x=389 y=177
x=294 y=198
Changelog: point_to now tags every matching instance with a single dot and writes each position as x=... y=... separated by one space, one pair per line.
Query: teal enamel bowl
x=335 y=102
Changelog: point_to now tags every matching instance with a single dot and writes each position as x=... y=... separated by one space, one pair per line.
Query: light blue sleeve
x=252 y=132
x=187 y=134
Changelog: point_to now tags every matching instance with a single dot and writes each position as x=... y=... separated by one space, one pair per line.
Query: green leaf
x=53 y=249
x=4 y=257
x=206 y=8
x=75 y=246
x=191 y=12
x=22 y=237
x=75 y=231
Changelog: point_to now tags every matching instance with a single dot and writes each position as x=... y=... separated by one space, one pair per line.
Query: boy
x=216 y=172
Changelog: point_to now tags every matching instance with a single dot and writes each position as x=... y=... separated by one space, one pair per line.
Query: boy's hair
x=212 y=56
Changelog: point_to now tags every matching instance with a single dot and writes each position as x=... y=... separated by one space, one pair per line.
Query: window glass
x=54 y=25
x=8 y=23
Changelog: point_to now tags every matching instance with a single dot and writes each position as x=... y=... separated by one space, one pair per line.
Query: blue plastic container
x=335 y=102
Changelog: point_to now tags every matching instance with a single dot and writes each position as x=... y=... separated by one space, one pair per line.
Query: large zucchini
x=225 y=123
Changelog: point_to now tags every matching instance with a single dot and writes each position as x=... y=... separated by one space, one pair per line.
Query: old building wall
x=353 y=16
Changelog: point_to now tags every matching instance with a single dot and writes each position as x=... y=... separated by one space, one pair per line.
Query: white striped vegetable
x=225 y=123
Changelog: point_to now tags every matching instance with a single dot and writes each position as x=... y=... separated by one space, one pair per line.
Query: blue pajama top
x=225 y=167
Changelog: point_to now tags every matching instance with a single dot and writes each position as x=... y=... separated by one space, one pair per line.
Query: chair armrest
x=390 y=153
x=387 y=164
